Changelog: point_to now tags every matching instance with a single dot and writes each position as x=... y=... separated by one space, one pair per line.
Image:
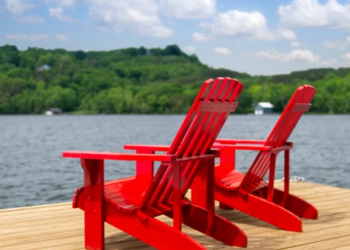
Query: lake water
x=32 y=171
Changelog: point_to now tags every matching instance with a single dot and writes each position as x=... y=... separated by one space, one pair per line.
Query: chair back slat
x=299 y=103
x=202 y=141
x=195 y=136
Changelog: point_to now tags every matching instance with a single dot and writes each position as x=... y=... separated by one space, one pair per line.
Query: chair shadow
x=326 y=218
x=254 y=242
x=121 y=240
x=265 y=242
x=236 y=216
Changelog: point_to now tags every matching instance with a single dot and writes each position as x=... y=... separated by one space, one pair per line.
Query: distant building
x=263 y=108
x=53 y=111
x=43 y=67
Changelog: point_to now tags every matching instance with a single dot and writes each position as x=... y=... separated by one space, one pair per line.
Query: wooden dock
x=58 y=226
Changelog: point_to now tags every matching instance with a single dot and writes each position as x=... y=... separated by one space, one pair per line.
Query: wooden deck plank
x=333 y=243
x=58 y=226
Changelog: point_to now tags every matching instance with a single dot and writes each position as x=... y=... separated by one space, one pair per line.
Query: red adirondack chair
x=131 y=204
x=248 y=192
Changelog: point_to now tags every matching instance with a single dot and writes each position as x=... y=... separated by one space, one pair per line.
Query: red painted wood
x=118 y=156
x=202 y=124
x=203 y=192
x=93 y=203
x=250 y=193
x=282 y=148
x=296 y=205
x=144 y=169
x=196 y=158
x=216 y=107
x=148 y=147
x=260 y=208
x=286 y=177
x=227 y=162
x=244 y=147
x=224 y=231
x=177 y=196
x=235 y=89
x=303 y=107
x=278 y=136
x=210 y=200
x=163 y=176
x=230 y=141
x=271 y=177
x=131 y=203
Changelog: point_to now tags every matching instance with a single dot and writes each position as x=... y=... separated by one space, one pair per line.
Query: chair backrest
x=208 y=113
x=299 y=103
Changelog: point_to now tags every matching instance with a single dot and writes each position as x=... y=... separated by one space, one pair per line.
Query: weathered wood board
x=58 y=226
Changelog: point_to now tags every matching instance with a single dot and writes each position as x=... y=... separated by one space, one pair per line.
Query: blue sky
x=257 y=37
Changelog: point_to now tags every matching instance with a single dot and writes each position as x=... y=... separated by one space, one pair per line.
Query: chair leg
x=203 y=189
x=94 y=228
x=93 y=204
x=260 y=208
x=177 y=196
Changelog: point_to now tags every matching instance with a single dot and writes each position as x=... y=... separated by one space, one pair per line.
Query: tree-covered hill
x=143 y=81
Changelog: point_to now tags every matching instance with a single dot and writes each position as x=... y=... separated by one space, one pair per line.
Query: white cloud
x=348 y=39
x=18 y=6
x=189 y=49
x=246 y=26
x=67 y=2
x=61 y=37
x=335 y=44
x=310 y=13
x=222 y=51
x=58 y=13
x=23 y=37
x=140 y=16
x=193 y=9
x=293 y=56
x=62 y=2
x=346 y=57
x=199 y=37
x=295 y=44
x=30 y=19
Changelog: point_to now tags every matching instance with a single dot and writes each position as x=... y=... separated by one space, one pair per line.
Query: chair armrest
x=243 y=147
x=238 y=141
x=159 y=148
x=118 y=156
x=149 y=147
x=286 y=146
